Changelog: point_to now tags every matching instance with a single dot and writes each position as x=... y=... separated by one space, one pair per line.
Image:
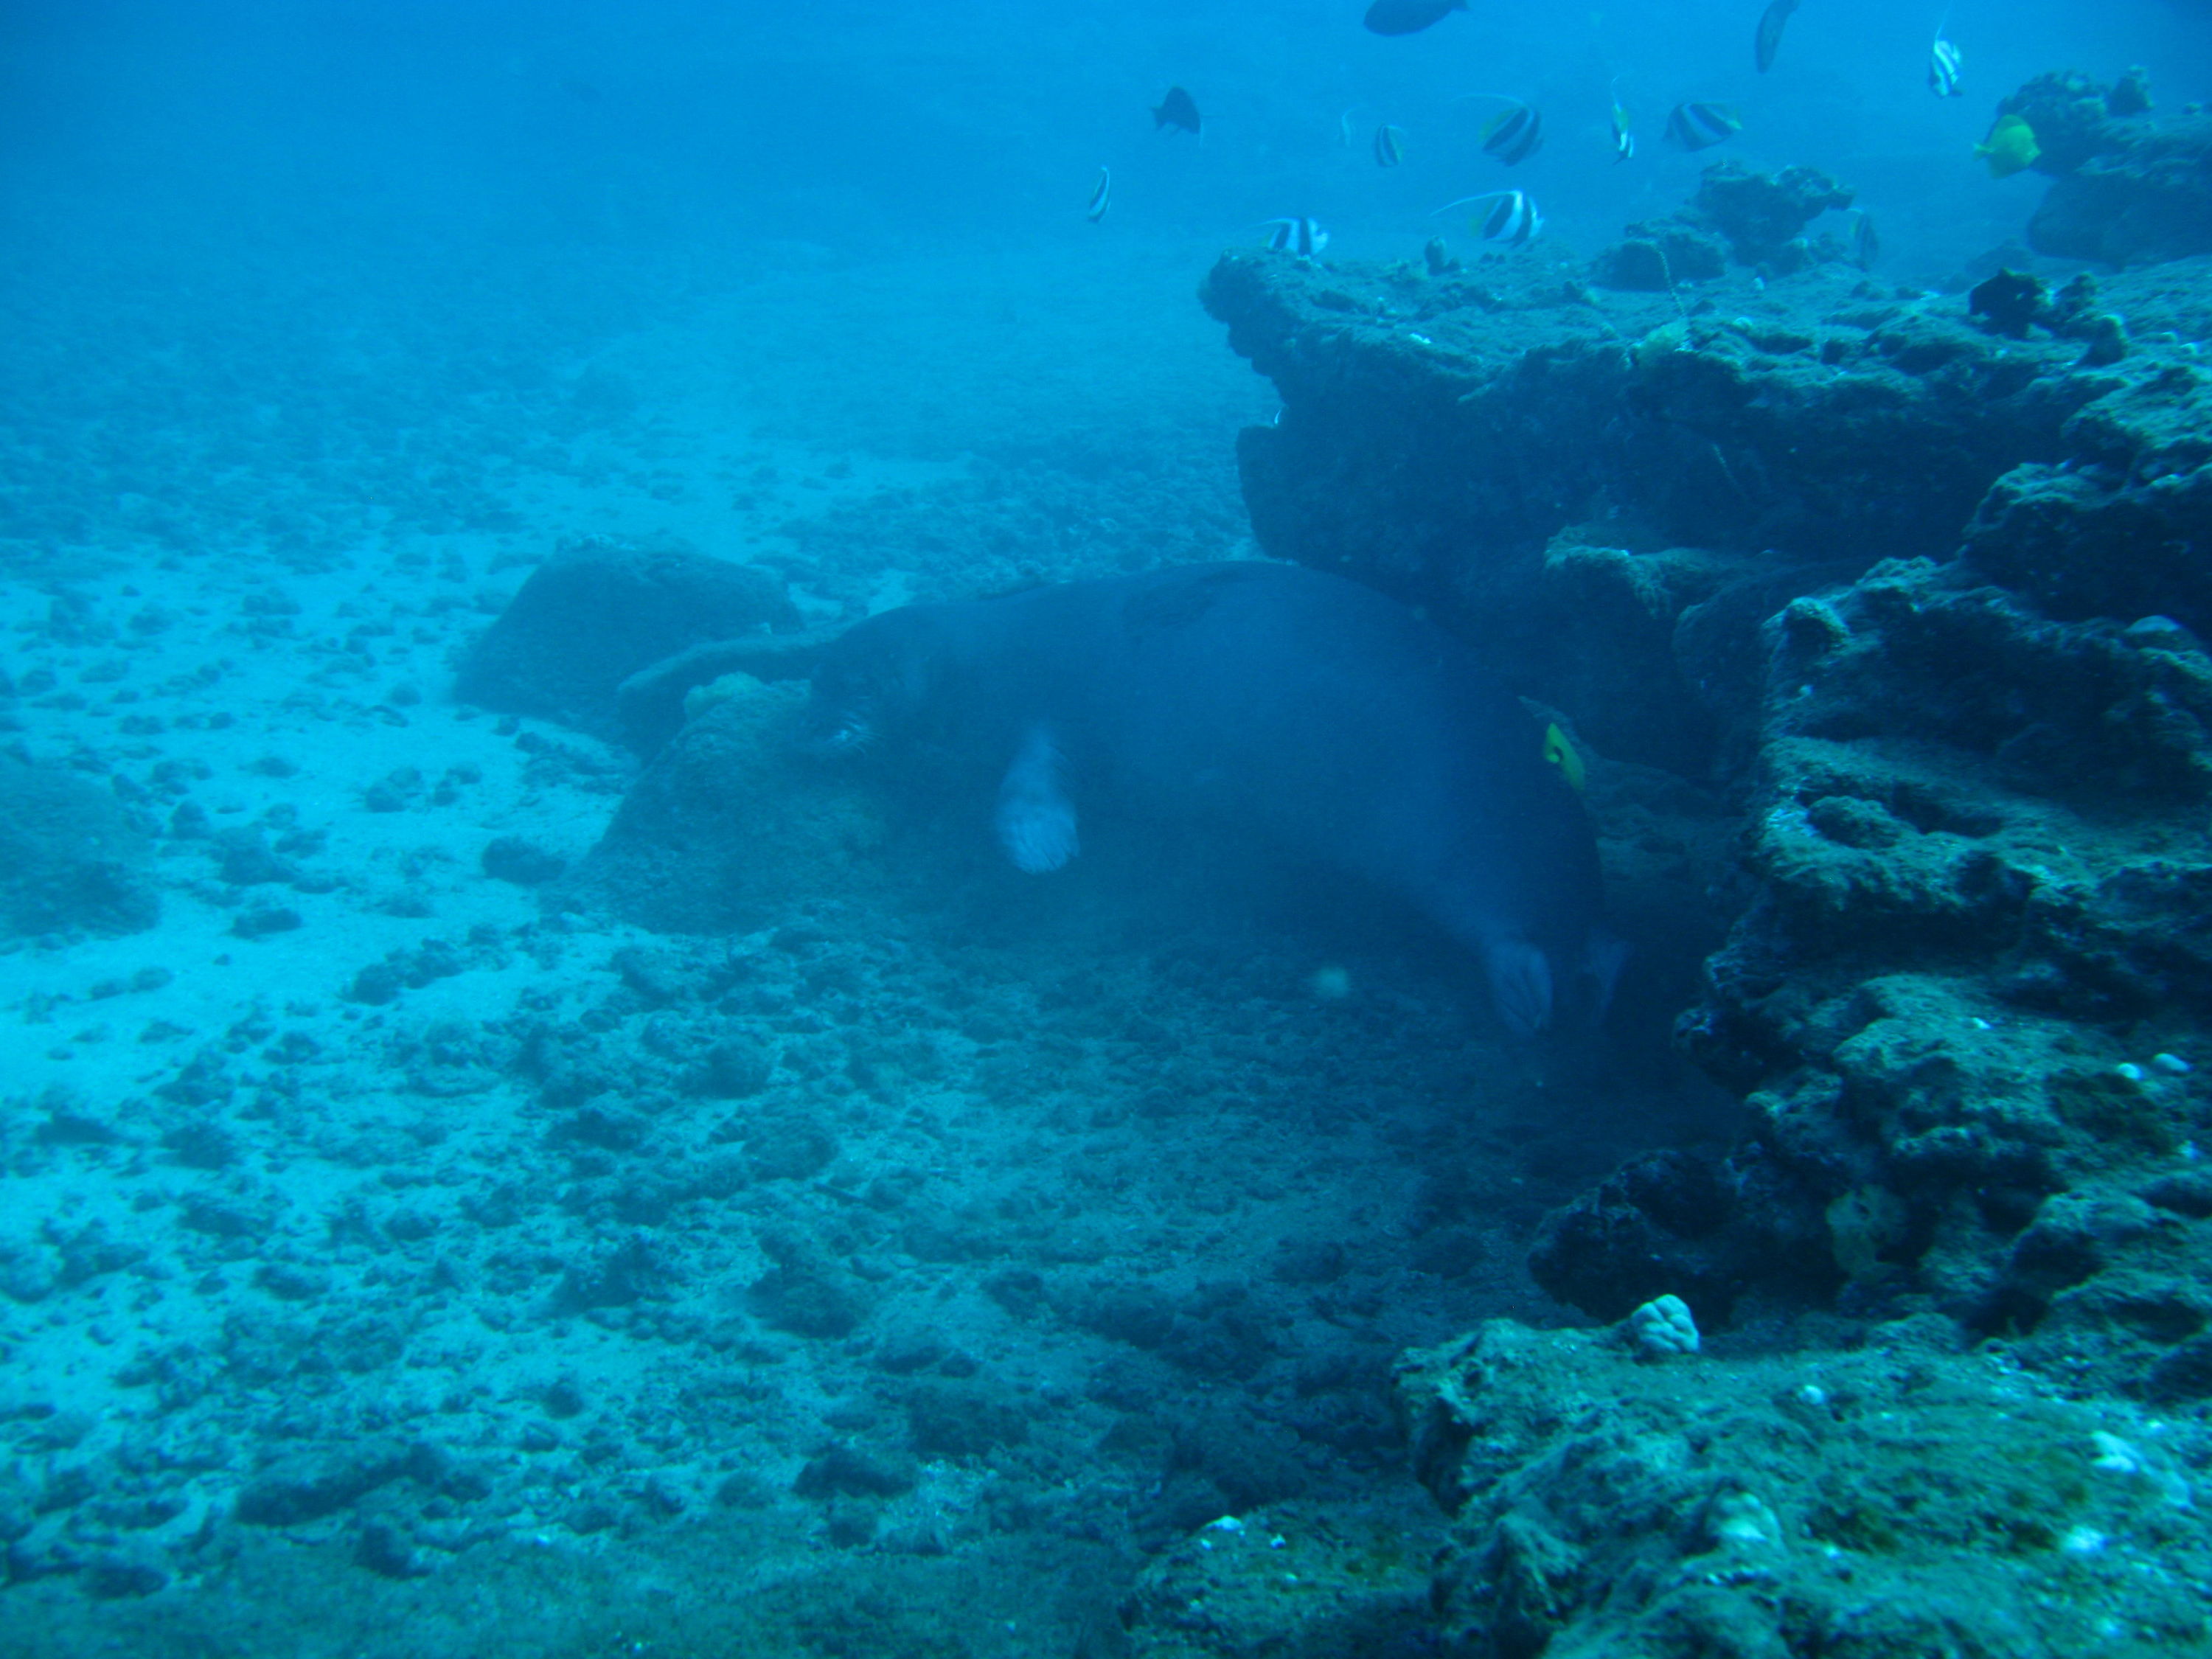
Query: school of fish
x=1514 y=131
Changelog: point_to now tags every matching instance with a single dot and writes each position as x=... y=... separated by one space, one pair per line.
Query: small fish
x=1102 y=196
x=1943 y=62
x=1514 y=133
x=1768 y=41
x=1700 y=126
x=1624 y=136
x=1389 y=145
x=1507 y=217
x=1409 y=17
x=1345 y=133
x=2010 y=148
x=1866 y=245
x=1294 y=236
x=1178 y=109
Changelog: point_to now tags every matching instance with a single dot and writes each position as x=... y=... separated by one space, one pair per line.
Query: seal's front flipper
x=1037 y=820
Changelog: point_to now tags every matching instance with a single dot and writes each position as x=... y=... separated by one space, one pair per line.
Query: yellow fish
x=1561 y=754
x=2010 y=148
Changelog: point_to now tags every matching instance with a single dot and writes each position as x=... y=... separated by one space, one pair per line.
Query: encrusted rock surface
x=1923 y=593
x=1897 y=1500
x=598 y=611
x=2130 y=186
x=1445 y=438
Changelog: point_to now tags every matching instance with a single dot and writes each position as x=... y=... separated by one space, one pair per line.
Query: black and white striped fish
x=1700 y=126
x=1389 y=145
x=1514 y=133
x=1943 y=63
x=1294 y=236
x=1507 y=217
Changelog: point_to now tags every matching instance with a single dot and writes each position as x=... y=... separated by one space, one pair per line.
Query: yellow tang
x=1561 y=754
x=2010 y=148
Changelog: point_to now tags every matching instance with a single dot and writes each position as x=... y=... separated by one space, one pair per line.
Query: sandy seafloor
x=1036 y=1239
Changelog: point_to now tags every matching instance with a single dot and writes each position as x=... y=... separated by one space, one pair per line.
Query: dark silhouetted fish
x=1178 y=109
x=1389 y=145
x=1409 y=17
x=1866 y=245
x=1768 y=41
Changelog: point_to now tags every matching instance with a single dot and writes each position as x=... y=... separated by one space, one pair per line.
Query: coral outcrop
x=2130 y=186
x=1887 y=1501
x=1920 y=587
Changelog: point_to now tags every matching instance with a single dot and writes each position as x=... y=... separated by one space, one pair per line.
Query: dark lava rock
x=2129 y=188
x=70 y=856
x=1447 y=444
x=842 y=1471
x=309 y=1487
x=2078 y=119
x=1669 y=1223
x=963 y=1420
x=600 y=610
x=386 y=1550
x=260 y=921
x=2115 y=527
x=1893 y=1500
x=1752 y=218
x=728 y=830
x=1977 y=836
x=2009 y=303
x=525 y=863
x=806 y=1293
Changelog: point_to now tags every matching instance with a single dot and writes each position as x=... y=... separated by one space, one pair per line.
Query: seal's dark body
x=1268 y=699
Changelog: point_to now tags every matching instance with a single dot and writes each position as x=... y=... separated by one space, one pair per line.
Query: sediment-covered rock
x=1457 y=440
x=2130 y=186
x=599 y=610
x=725 y=825
x=70 y=857
x=1893 y=1500
x=1921 y=586
x=1752 y=218
x=1978 y=836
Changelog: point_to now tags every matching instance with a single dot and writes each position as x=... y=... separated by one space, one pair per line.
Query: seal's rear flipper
x=1607 y=956
x=1519 y=984
x=1035 y=819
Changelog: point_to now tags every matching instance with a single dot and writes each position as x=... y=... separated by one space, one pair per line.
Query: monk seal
x=1267 y=699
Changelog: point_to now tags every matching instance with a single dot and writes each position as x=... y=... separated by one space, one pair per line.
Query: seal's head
x=873 y=682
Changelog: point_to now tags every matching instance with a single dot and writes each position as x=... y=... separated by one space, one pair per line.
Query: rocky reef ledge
x=1918 y=584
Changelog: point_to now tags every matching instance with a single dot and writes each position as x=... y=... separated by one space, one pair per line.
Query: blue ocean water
x=477 y=1179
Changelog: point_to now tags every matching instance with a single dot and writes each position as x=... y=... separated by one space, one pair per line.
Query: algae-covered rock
x=599 y=610
x=1752 y=218
x=727 y=828
x=2115 y=529
x=1454 y=444
x=1980 y=837
x=70 y=858
x=1900 y=1500
x=1295 y=1581
x=2129 y=186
